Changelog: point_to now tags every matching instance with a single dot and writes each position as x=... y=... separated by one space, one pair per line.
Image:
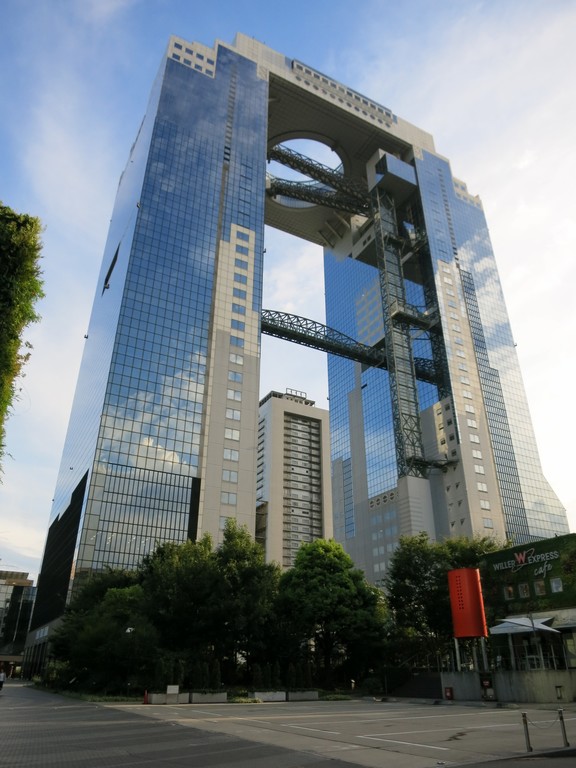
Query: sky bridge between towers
x=310 y=333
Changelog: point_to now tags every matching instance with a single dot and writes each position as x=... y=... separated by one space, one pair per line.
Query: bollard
x=526 y=734
x=146 y=696
x=563 y=727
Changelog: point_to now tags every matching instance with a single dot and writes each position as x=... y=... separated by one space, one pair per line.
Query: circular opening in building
x=312 y=149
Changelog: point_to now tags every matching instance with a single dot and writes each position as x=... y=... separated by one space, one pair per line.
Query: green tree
x=20 y=288
x=86 y=599
x=417 y=590
x=182 y=584
x=247 y=599
x=111 y=645
x=332 y=609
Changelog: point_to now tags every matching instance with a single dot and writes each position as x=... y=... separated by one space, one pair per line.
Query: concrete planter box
x=172 y=696
x=302 y=696
x=268 y=695
x=197 y=697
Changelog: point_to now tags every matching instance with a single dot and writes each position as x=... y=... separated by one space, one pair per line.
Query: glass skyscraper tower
x=430 y=427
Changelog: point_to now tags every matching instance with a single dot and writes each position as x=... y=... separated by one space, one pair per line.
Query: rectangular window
x=236 y=341
x=539 y=588
x=523 y=590
x=243 y=236
x=482 y=487
x=236 y=394
x=239 y=293
x=234 y=376
x=556 y=585
x=474 y=438
x=469 y=408
x=237 y=325
x=229 y=475
x=240 y=278
x=239 y=309
x=233 y=413
x=240 y=263
x=231 y=454
x=244 y=251
x=232 y=434
x=472 y=423
x=228 y=498
x=236 y=358
x=476 y=454
x=487 y=522
x=479 y=469
x=484 y=504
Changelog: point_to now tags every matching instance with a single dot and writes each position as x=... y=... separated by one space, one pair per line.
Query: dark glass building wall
x=139 y=413
x=359 y=399
x=202 y=166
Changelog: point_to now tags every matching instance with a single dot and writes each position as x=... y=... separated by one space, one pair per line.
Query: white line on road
x=316 y=730
x=406 y=743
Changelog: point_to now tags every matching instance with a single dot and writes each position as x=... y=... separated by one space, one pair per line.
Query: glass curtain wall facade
x=166 y=406
x=162 y=435
x=481 y=464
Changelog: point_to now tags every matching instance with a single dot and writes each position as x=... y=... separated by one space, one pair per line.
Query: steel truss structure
x=330 y=188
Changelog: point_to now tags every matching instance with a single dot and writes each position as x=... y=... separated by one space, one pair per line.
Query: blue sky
x=492 y=81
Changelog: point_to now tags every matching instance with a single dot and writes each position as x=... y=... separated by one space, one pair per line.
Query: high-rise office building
x=293 y=480
x=17 y=594
x=429 y=422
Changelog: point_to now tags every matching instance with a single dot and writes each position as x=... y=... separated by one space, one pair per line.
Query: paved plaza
x=43 y=729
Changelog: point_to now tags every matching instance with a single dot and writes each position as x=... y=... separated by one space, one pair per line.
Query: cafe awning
x=513 y=626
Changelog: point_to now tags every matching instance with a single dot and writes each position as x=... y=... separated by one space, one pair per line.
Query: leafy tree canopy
x=20 y=288
x=331 y=605
x=192 y=614
x=181 y=584
x=248 y=594
x=417 y=585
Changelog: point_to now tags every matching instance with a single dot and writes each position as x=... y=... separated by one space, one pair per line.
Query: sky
x=492 y=81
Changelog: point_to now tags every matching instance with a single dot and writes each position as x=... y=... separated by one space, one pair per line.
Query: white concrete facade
x=294 y=498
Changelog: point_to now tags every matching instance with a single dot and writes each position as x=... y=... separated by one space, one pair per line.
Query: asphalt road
x=42 y=729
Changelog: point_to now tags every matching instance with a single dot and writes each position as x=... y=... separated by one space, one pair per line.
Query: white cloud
x=101 y=12
x=294 y=278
